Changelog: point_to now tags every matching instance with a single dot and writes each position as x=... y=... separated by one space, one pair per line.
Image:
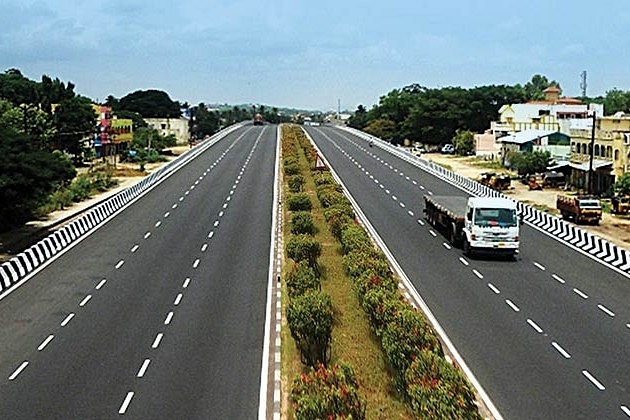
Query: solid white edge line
x=19 y=370
x=414 y=293
x=264 y=370
x=45 y=342
x=126 y=402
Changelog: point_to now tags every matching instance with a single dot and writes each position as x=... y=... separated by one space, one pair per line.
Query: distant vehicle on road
x=258 y=119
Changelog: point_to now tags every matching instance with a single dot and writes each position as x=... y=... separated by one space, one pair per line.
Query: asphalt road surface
x=159 y=313
x=547 y=335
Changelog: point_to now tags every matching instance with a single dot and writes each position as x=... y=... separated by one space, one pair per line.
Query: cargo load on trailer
x=477 y=224
x=580 y=208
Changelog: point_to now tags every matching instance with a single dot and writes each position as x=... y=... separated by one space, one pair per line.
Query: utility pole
x=591 y=153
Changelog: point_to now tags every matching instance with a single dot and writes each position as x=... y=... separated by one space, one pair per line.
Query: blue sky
x=312 y=54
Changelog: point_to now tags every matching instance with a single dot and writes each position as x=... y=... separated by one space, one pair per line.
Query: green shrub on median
x=302 y=222
x=299 y=202
x=301 y=279
x=327 y=393
x=304 y=248
x=310 y=319
x=438 y=390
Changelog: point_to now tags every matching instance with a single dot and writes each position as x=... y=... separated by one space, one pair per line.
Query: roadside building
x=175 y=126
x=112 y=135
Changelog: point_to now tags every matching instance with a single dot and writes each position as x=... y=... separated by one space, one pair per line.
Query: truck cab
x=491 y=224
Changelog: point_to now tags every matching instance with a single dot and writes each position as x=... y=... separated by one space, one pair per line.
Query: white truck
x=478 y=224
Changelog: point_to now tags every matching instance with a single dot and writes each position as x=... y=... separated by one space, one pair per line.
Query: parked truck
x=477 y=224
x=620 y=204
x=580 y=208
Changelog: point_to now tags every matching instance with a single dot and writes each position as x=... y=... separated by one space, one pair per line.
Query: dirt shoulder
x=613 y=228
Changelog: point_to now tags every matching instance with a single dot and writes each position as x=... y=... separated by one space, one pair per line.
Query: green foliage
x=310 y=319
x=354 y=237
x=381 y=306
x=150 y=104
x=304 y=248
x=622 y=185
x=529 y=162
x=366 y=259
x=327 y=394
x=74 y=120
x=381 y=128
x=204 y=122
x=27 y=178
x=534 y=89
x=331 y=195
x=463 y=142
x=323 y=178
x=299 y=202
x=404 y=338
x=301 y=279
x=431 y=116
x=149 y=139
x=338 y=217
x=296 y=183
x=302 y=222
x=438 y=390
x=292 y=168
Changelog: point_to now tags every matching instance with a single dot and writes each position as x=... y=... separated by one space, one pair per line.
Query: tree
x=74 y=120
x=359 y=119
x=463 y=142
x=529 y=162
x=204 y=122
x=18 y=89
x=381 y=128
x=622 y=185
x=534 y=88
x=616 y=101
x=150 y=104
x=27 y=178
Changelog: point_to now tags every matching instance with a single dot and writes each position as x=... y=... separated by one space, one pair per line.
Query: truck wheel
x=467 y=249
x=453 y=235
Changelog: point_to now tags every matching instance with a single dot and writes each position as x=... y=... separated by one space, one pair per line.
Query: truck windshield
x=495 y=217
x=589 y=204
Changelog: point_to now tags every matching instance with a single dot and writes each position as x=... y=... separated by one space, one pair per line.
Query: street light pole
x=591 y=153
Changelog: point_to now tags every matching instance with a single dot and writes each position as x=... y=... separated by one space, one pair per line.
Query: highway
x=159 y=313
x=547 y=336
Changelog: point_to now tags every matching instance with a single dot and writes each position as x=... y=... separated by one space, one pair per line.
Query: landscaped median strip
x=374 y=327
